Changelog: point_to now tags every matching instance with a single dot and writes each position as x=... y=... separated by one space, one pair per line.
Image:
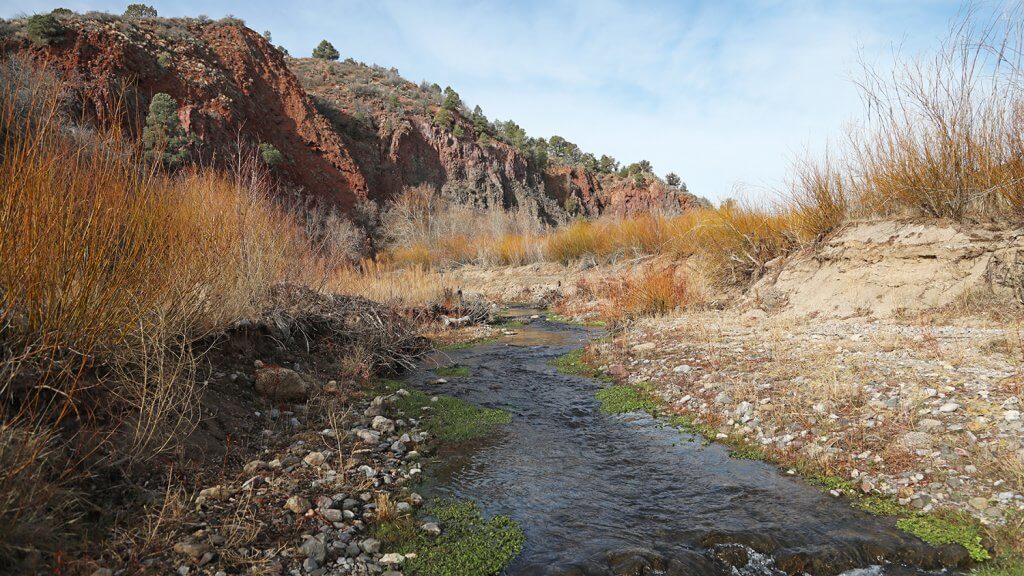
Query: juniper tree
x=163 y=138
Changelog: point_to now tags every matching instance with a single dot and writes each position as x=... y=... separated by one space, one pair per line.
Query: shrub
x=62 y=12
x=673 y=179
x=270 y=155
x=104 y=263
x=326 y=51
x=163 y=137
x=140 y=11
x=443 y=118
x=44 y=29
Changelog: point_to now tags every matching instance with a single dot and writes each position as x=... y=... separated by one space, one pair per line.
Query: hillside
x=346 y=131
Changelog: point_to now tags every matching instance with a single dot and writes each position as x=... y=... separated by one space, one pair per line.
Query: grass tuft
x=452 y=371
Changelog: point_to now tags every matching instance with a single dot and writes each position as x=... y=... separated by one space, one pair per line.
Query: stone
x=368 y=436
x=370 y=545
x=949 y=407
x=928 y=424
x=978 y=503
x=297 y=504
x=314 y=548
x=314 y=459
x=103 y=572
x=331 y=515
x=281 y=384
x=431 y=528
x=383 y=424
x=255 y=466
x=912 y=440
x=218 y=492
x=392 y=559
x=644 y=347
x=193 y=550
x=1011 y=415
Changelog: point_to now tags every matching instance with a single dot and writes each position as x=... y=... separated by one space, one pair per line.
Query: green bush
x=673 y=180
x=62 y=12
x=140 y=11
x=443 y=118
x=326 y=51
x=163 y=138
x=271 y=155
x=44 y=29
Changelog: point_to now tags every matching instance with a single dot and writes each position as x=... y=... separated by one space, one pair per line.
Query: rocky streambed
x=605 y=494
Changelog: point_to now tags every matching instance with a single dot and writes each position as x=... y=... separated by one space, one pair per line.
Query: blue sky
x=724 y=93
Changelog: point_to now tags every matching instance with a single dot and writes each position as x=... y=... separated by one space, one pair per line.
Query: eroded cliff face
x=890 y=267
x=230 y=84
x=347 y=131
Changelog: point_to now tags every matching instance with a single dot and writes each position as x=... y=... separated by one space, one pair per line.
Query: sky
x=726 y=94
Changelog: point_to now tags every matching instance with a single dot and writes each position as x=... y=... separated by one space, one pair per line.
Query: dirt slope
x=888 y=267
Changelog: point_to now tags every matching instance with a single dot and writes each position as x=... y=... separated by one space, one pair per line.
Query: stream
x=627 y=494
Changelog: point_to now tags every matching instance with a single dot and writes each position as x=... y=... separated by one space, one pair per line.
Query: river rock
x=314 y=459
x=912 y=440
x=314 y=548
x=193 y=550
x=431 y=528
x=383 y=425
x=298 y=504
x=949 y=407
x=978 y=503
x=370 y=545
x=281 y=384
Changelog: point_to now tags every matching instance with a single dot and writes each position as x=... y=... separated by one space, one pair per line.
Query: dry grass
x=406 y=286
x=106 y=263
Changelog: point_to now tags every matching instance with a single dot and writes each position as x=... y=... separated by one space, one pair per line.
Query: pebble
x=314 y=459
x=298 y=504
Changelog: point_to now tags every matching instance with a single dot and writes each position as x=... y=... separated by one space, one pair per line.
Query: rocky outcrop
x=347 y=131
x=230 y=84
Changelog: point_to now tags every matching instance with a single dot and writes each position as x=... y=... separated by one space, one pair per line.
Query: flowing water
x=627 y=494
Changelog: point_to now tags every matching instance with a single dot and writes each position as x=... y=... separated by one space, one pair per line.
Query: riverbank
x=913 y=412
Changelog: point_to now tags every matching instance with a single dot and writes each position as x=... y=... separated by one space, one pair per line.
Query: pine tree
x=326 y=51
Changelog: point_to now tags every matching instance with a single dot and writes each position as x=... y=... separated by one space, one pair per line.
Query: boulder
x=281 y=384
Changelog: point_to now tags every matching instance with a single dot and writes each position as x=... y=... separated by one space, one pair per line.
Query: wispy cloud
x=720 y=92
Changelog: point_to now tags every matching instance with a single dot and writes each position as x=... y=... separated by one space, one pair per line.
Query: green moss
x=453 y=371
x=468 y=344
x=880 y=506
x=622 y=398
x=687 y=424
x=576 y=364
x=449 y=419
x=826 y=482
x=469 y=543
x=512 y=324
x=937 y=531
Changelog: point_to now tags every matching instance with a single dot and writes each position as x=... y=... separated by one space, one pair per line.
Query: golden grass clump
x=106 y=262
x=400 y=285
